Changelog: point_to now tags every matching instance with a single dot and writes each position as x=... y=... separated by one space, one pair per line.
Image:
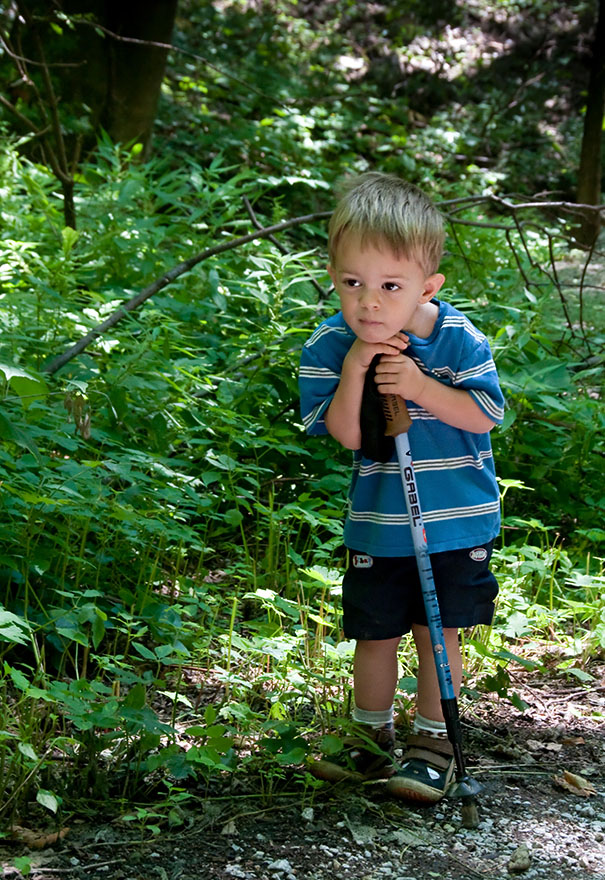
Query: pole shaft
x=425 y=571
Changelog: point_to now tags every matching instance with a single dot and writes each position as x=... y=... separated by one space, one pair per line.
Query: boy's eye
x=391 y=286
x=351 y=282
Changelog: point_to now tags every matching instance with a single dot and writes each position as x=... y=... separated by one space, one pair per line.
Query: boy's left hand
x=398 y=374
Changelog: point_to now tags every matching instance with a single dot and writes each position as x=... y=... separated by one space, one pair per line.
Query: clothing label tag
x=479 y=554
x=360 y=560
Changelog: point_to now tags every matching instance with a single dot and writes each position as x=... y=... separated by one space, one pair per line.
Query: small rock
x=280 y=866
x=307 y=814
x=520 y=860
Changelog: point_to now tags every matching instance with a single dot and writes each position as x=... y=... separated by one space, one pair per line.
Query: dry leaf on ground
x=36 y=839
x=573 y=740
x=575 y=784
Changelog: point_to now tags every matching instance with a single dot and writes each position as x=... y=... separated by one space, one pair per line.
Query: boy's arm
x=453 y=406
x=342 y=416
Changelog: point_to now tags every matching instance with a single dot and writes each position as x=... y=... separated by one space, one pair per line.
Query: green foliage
x=170 y=556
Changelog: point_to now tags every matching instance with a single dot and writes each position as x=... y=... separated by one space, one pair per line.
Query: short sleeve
x=478 y=376
x=317 y=383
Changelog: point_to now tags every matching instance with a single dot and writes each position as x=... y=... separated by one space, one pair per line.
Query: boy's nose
x=370 y=298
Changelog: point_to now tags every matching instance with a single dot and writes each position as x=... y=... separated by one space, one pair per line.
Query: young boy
x=385 y=244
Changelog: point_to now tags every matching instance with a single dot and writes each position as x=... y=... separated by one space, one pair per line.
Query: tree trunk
x=108 y=77
x=590 y=171
x=133 y=72
x=82 y=65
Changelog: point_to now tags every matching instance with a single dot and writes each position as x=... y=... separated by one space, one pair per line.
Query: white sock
x=380 y=718
x=429 y=727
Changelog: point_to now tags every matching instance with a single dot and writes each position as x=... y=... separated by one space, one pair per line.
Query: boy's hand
x=397 y=374
x=362 y=353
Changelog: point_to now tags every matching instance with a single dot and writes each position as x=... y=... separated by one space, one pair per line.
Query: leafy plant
x=170 y=548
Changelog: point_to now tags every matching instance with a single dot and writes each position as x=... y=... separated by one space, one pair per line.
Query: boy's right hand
x=361 y=353
x=343 y=414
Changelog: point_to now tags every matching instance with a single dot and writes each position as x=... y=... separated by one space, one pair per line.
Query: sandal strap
x=436 y=752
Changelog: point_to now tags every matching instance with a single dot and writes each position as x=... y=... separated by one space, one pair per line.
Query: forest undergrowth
x=170 y=544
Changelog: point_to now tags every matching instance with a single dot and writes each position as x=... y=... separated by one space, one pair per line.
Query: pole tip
x=470 y=815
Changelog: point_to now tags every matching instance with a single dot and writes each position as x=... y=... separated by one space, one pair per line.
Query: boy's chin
x=367 y=335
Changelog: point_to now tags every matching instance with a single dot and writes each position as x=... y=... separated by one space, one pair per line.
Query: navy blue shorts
x=382 y=598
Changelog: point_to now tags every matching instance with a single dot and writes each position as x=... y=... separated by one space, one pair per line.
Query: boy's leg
x=375 y=674
x=367 y=754
x=428 y=703
x=428 y=765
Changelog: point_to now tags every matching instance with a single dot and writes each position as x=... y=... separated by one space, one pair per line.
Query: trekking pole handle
x=396 y=414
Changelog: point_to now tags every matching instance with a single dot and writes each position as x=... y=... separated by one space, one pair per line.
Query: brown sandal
x=426 y=771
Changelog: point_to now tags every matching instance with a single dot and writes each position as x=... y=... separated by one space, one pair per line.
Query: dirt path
x=530 y=825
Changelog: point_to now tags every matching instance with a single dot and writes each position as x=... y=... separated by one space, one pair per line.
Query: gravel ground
x=531 y=825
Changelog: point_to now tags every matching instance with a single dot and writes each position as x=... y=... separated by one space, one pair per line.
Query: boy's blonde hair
x=384 y=209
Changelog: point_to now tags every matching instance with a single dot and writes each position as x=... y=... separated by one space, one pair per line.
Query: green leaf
x=580 y=674
x=517 y=702
x=28 y=387
x=27 y=750
x=136 y=697
x=69 y=237
x=23 y=864
x=13 y=628
x=294 y=756
x=98 y=631
x=74 y=634
x=204 y=755
x=508 y=655
x=17 y=435
x=330 y=744
x=144 y=651
x=233 y=517
x=47 y=799
x=195 y=730
x=18 y=679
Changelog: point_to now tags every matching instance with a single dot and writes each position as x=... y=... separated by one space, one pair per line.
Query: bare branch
x=23 y=119
x=169 y=47
x=21 y=59
x=167 y=279
x=279 y=246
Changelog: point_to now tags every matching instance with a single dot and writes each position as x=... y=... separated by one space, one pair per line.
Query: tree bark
x=590 y=171
x=134 y=72
x=111 y=75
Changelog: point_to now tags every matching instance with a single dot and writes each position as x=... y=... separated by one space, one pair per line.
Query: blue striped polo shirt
x=454 y=468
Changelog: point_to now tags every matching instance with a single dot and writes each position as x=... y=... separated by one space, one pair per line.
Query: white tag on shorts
x=479 y=554
x=362 y=560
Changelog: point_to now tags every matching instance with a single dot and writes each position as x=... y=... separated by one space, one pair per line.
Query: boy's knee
x=377 y=646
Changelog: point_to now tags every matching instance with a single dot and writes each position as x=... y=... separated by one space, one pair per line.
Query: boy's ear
x=432 y=286
x=331 y=273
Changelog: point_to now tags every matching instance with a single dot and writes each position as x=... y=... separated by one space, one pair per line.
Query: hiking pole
x=398 y=424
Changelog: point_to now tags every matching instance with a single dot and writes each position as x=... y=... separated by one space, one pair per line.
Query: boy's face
x=381 y=293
